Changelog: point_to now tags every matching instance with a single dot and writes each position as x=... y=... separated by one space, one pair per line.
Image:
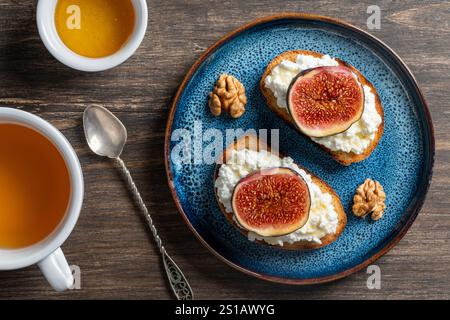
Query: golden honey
x=94 y=28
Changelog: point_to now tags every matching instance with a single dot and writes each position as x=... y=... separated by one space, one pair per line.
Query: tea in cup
x=41 y=193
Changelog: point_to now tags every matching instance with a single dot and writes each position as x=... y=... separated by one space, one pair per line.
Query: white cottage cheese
x=323 y=218
x=355 y=139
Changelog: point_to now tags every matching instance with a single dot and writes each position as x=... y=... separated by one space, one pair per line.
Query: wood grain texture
x=111 y=244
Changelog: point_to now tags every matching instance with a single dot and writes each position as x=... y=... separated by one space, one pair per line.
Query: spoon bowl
x=105 y=133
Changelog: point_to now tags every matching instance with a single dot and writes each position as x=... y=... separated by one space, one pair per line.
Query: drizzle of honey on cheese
x=94 y=28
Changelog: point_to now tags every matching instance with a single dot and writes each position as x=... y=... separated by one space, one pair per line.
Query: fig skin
x=328 y=130
x=276 y=229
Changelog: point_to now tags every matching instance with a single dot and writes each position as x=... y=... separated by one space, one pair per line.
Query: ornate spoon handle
x=178 y=282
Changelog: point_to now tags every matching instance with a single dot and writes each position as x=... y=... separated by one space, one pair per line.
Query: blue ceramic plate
x=402 y=161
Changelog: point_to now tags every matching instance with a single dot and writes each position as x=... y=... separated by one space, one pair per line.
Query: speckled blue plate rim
x=401 y=70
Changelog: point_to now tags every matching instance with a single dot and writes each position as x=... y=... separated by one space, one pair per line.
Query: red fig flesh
x=325 y=101
x=272 y=202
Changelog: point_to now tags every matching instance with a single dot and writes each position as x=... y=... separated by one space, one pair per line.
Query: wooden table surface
x=110 y=243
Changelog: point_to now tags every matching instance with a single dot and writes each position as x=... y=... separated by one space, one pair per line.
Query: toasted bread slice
x=345 y=158
x=251 y=142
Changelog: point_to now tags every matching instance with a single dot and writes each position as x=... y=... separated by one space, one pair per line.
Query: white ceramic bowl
x=45 y=17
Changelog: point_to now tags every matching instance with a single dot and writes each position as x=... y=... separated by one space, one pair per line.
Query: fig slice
x=271 y=202
x=325 y=101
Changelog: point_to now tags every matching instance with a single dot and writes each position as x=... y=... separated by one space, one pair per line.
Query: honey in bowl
x=94 y=28
x=34 y=187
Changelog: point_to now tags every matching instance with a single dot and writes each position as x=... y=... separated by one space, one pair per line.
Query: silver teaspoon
x=106 y=136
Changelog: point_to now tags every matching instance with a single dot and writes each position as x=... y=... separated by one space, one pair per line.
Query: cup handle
x=57 y=271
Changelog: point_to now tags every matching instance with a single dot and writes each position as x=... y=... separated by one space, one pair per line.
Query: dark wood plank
x=110 y=243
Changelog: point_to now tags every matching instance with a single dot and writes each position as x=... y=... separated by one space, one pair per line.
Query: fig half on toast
x=325 y=101
x=251 y=142
x=343 y=157
x=272 y=202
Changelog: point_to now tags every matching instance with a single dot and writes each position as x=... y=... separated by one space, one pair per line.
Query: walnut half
x=228 y=95
x=369 y=198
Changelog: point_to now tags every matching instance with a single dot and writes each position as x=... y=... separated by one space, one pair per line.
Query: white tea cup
x=47 y=253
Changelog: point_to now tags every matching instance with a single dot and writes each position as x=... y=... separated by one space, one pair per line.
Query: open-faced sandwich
x=327 y=100
x=274 y=201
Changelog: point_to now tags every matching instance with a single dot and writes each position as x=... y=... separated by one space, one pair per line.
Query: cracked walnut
x=228 y=95
x=369 y=198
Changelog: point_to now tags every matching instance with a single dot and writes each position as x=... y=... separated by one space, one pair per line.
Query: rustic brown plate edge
x=415 y=210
